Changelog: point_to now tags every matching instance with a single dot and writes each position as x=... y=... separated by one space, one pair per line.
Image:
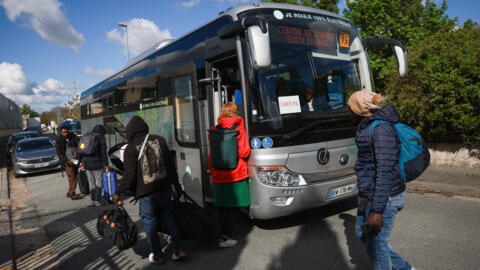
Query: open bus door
x=222 y=85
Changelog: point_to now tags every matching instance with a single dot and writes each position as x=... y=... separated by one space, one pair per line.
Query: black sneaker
x=75 y=197
x=178 y=254
x=156 y=259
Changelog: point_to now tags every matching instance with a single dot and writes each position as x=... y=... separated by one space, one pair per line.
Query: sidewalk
x=448 y=181
x=5 y=231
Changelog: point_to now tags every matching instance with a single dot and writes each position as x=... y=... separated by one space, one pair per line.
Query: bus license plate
x=40 y=165
x=342 y=190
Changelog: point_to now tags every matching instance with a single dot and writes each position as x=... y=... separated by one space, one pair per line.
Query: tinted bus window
x=184 y=104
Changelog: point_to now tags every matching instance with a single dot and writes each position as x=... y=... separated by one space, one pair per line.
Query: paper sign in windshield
x=289 y=104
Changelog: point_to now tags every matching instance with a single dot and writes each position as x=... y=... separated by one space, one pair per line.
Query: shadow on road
x=317 y=245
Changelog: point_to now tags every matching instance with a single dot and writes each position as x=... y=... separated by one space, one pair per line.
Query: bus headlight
x=280 y=177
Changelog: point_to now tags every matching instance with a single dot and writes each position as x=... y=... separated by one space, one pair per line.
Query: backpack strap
x=143 y=147
x=370 y=140
x=373 y=126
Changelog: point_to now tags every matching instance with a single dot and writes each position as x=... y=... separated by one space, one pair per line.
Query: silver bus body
x=322 y=170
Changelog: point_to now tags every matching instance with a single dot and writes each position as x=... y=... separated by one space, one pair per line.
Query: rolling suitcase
x=109 y=184
x=82 y=181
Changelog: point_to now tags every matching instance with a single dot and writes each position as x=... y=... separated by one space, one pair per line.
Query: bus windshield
x=315 y=66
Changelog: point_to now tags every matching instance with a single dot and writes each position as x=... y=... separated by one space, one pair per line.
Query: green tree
x=441 y=94
x=470 y=24
x=330 y=5
x=27 y=110
x=408 y=21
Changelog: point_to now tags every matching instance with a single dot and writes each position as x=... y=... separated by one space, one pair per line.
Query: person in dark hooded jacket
x=150 y=171
x=94 y=166
x=381 y=189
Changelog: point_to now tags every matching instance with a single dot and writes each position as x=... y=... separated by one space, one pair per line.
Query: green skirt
x=231 y=194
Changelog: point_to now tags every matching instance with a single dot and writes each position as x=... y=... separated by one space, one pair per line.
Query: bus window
x=184 y=105
x=119 y=95
x=96 y=107
x=164 y=87
x=83 y=110
x=148 y=87
x=110 y=103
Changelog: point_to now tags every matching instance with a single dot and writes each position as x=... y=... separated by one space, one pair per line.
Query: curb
x=446 y=190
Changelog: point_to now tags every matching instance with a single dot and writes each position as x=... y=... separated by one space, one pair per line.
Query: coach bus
x=289 y=68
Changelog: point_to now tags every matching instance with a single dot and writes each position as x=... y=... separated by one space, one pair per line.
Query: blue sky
x=47 y=47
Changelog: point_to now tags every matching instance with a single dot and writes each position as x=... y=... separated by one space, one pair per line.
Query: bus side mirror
x=259 y=48
x=401 y=56
x=397 y=48
x=259 y=41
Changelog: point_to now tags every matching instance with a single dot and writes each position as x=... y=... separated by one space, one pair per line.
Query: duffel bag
x=116 y=226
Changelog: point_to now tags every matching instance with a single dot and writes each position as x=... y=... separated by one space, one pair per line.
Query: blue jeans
x=152 y=207
x=378 y=248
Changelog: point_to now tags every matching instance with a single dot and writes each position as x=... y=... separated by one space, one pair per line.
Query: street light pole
x=126 y=37
x=75 y=85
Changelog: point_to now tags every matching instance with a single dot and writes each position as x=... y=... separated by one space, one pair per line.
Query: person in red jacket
x=230 y=187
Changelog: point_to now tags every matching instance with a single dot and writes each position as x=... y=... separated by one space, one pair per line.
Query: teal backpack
x=224 y=147
x=414 y=154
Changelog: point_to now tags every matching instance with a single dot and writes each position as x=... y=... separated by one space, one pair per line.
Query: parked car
x=34 y=155
x=13 y=140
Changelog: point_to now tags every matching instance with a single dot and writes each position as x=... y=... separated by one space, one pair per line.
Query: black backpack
x=224 y=147
x=117 y=227
x=88 y=144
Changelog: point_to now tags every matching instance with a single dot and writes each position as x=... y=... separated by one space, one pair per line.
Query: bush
x=440 y=96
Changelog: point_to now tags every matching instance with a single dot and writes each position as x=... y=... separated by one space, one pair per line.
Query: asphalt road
x=431 y=232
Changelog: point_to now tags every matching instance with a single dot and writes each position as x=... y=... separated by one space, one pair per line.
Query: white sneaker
x=155 y=259
x=225 y=243
x=413 y=268
x=100 y=203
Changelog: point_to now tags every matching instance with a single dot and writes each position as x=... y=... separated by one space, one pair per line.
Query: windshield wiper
x=290 y=136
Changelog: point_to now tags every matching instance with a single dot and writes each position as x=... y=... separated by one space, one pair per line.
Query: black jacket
x=136 y=131
x=100 y=159
x=61 y=146
x=376 y=166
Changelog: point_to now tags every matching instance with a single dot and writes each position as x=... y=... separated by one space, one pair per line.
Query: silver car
x=34 y=155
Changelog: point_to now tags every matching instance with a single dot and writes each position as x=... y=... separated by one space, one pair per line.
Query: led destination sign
x=303 y=36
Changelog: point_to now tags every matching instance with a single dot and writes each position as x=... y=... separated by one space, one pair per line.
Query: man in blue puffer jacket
x=381 y=189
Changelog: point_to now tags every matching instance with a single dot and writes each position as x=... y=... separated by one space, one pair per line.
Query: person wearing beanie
x=381 y=190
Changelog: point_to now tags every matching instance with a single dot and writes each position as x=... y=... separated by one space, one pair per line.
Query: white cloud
x=100 y=73
x=54 y=87
x=12 y=79
x=190 y=3
x=46 y=18
x=15 y=85
x=38 y=99
x=142 y=34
